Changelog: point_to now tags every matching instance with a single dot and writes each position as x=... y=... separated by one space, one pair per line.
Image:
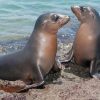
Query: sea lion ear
x=44 y=23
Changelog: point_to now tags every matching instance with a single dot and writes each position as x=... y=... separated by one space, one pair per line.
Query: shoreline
x=73 y=83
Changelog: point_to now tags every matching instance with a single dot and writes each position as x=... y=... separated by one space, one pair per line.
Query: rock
x=72 y=83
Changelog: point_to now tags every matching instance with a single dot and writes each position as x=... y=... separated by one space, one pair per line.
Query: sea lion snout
x=66 y=19
x=77 y=11
x=85 y=13
x=63 y=19
x=74 y=8
x=80 y=9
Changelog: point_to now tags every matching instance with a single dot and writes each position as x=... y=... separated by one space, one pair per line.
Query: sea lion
x=86 y=46
x=37 y=58
x=87 y=42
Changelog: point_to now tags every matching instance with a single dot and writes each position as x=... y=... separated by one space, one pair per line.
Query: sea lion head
x=51 y=22
x=85 y=13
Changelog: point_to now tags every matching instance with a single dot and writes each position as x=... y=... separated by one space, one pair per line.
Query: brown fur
x=38 y=56
x=86 y=47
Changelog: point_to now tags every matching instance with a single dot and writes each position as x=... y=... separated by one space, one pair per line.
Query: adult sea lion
x=38 y=56
x=86 y=47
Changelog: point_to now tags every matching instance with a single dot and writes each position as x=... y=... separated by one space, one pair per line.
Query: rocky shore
x=72 y=83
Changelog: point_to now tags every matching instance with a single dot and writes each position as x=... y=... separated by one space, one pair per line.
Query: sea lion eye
x=83 y=9
x=55 y=17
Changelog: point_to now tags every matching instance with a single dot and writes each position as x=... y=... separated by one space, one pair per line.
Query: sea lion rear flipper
x=57 y=66
x=93 y=69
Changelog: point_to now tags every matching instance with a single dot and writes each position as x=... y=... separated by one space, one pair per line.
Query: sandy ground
x=72 y=83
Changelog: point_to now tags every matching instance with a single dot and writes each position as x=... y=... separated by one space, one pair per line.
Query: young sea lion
x=87 y=44
x=86 y=47
x=38 y=56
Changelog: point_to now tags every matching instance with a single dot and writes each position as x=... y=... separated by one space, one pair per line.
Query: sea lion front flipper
x=27 y=87
x=39 y=82
x=93 y=69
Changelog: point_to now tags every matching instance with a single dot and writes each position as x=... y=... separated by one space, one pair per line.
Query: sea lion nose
x=66 y=17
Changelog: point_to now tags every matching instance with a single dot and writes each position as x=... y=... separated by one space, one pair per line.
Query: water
x=17 y=17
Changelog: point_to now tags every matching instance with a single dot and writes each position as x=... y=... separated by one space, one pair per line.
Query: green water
x=17 y=17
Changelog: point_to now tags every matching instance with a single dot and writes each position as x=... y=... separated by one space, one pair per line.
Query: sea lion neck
x=38 y=35
x=94 y=24
x=45 y=30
